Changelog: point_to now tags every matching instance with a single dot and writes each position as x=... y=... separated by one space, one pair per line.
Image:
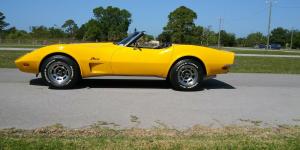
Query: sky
x=239 y=16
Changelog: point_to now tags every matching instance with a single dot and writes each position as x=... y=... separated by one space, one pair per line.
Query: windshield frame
x=130 y=39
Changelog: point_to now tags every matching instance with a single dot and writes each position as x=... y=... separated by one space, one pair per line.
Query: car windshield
x=127 y=39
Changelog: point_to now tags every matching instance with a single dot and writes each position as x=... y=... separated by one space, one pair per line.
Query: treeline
x=107 y=24
x=111 y=24
x=182 y=29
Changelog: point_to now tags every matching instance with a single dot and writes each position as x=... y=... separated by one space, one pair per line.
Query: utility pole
x=220 y=27
x=269 y=24
x=292 y=36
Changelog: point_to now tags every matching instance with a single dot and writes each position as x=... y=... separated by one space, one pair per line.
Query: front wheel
x=186 y=75
x=60 y=72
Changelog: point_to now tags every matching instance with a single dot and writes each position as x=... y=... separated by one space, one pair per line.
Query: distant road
x=261 y=55
x=256 y=49
x=231 y=99
x=17 y=49
x=243 y=48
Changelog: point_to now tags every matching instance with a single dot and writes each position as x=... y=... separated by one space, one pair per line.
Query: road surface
x=239 y=99
x=16 y=49
x=262 y=55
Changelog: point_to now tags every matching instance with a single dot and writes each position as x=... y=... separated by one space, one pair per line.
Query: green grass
x=266 y=65
x=7 y=58
x=242 y=64
x=263 y=52
x=197 y=137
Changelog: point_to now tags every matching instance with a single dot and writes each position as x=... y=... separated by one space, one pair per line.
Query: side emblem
x=94 y=58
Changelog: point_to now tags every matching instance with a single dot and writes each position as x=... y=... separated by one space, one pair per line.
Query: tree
x=148 y=37
x=241 y=42
x=197 y=36
x=13 y=33
x=56 y=33
x=280 y=36
x=70 y=27
x=112 y=23
x=40 y=32
x=227 y=39
x=181 y=24
x=94 y=31
x=81 y=32
x=210 y=37
x=164 y=37
x=296 y=39
x=255 y=39
x=3 y=24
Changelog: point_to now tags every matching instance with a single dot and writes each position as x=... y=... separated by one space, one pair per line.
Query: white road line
x=17 y=49
x=276 y=56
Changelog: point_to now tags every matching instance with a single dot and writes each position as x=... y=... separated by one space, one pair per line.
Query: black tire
x=186 y=75
x=60 y=72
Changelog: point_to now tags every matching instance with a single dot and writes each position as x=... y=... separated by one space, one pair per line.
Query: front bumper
x=27 y=64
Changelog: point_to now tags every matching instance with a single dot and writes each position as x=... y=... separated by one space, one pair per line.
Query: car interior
x=139 y=40
x=151 y=44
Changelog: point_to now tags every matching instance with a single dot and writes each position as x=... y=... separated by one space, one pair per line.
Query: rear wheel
x=60 y=72
x=187 y=75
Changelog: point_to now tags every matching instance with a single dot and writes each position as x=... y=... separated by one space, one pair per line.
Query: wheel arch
x=59 y=53
x=188 y=57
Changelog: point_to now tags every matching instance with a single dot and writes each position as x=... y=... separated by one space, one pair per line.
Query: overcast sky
x=240 y=16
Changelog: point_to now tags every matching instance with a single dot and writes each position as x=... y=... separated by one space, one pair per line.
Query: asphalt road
x=239 y=99
x=16 y=49
x=262 y=55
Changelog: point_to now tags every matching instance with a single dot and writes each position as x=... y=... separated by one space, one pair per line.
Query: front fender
x=31 y=62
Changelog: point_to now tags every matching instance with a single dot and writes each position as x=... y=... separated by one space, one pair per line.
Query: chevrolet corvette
x=184 y=66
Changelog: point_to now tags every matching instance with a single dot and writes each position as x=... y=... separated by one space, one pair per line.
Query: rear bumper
x=221 y=63
x=226 y=68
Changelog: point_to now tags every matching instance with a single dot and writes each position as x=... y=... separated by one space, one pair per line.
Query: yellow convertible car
x=184 y=66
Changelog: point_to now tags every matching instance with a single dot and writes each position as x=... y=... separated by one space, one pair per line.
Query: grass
x=242 y=64
x=7 y=58
x=266 y=65
x=197 y=137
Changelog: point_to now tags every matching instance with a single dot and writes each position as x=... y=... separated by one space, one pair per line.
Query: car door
x=96 y=58
x=140 y=61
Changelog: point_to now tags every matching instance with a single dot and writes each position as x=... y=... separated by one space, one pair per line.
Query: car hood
x=83 y=46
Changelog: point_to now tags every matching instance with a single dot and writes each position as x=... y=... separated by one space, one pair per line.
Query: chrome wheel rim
x=188 y=75
x=59 y=73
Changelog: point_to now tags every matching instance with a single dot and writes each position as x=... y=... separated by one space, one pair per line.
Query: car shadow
x=136 y=83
